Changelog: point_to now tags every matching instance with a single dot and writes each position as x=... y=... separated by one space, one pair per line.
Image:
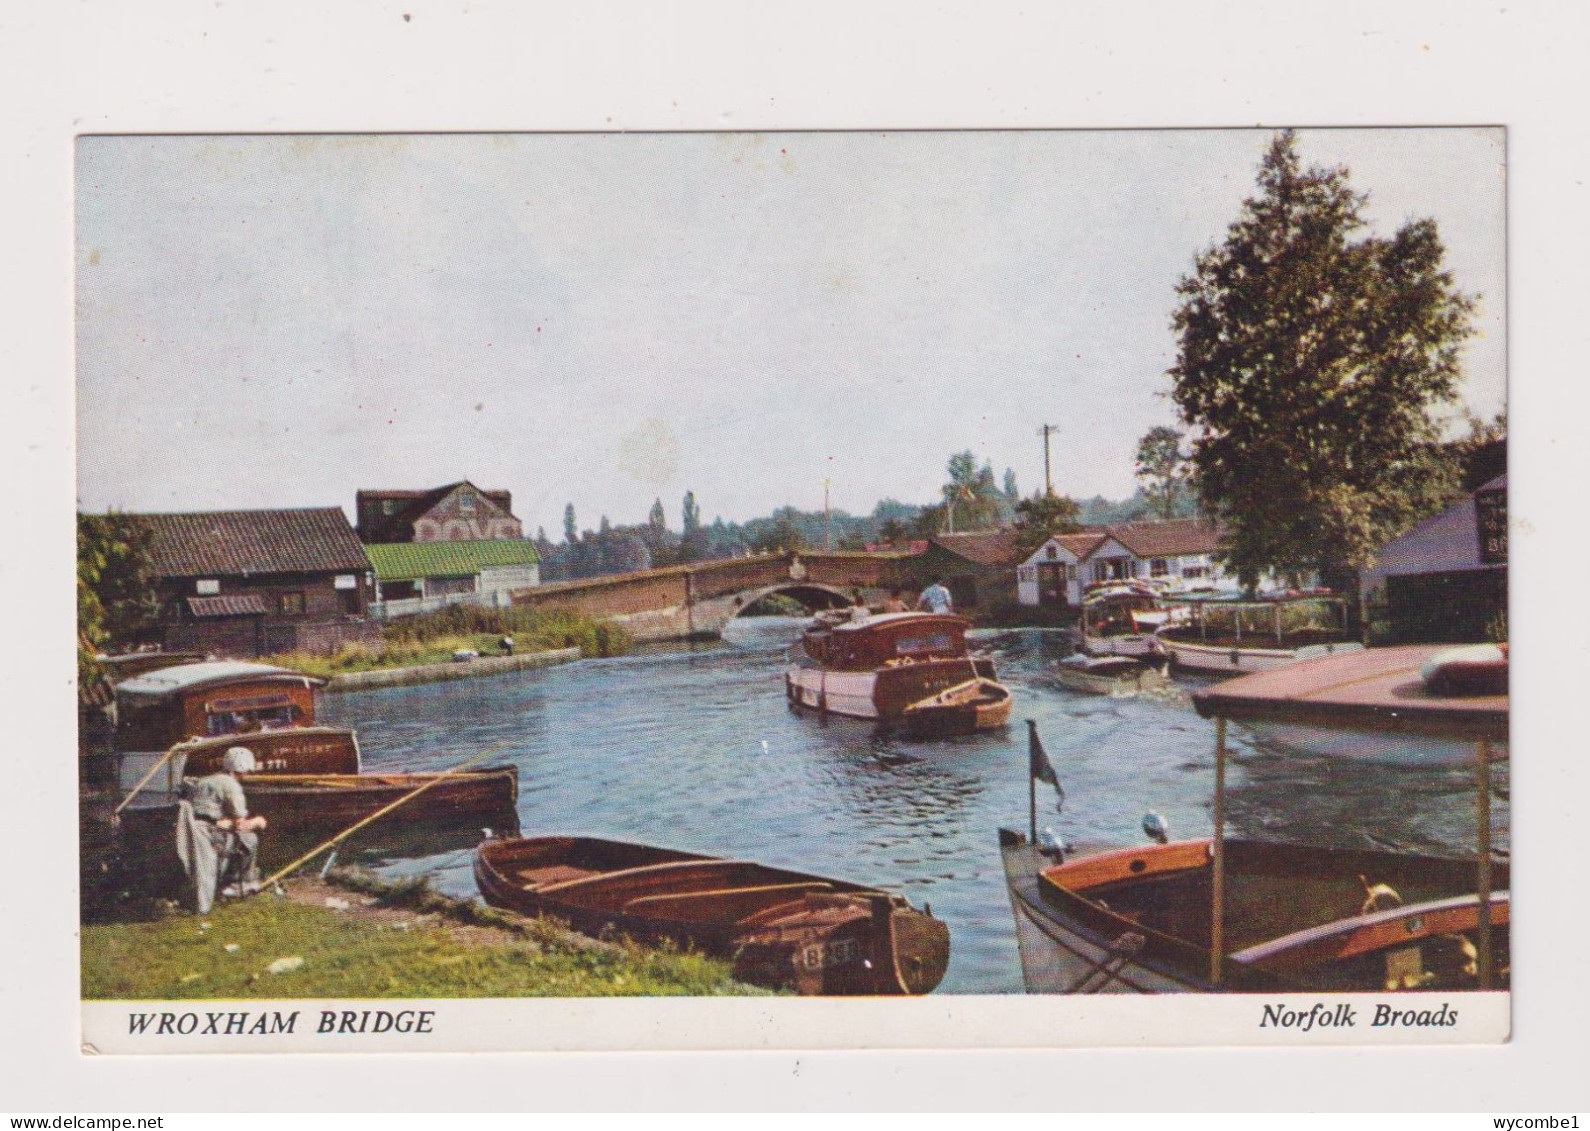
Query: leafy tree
x=1162 y=469
x=692 y=513
x=571 y=529
x=892 y=531
x=1310 y=362
x=1042 y=515
x=971 y=494
x=116 y=599
x=1010 y=485
x=657 y=519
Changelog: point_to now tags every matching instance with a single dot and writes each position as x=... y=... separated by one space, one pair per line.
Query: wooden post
x=1483 y=776
x=1032 y=802
x=1217 y=922
x=1278 y=624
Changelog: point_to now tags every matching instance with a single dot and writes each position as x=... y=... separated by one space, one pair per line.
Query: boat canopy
x=184 y=678
x=1377 y=689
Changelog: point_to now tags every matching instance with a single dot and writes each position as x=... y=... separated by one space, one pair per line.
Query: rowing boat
x=978 y=704
x=782 y=928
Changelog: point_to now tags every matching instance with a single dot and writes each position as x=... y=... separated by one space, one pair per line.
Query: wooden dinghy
x=331 y=801
x=978 y=704
x=783 y=929
x=1108 y=675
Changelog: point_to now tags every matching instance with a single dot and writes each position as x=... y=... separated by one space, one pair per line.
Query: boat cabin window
x=926 y=643
x=242 y=716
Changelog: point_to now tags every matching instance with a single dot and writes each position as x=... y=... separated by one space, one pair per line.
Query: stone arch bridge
x=700 y=599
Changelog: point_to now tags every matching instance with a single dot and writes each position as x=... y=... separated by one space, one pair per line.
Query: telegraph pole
x=1048 y=486
x=828 y=533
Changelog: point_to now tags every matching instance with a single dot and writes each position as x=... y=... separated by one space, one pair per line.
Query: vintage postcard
x=765 y=590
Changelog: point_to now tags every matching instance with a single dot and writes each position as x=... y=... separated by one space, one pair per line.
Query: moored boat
x=1242 y=637
x=876 y=668
x=782 y=928
x=1235 y=914
x=1115 y=676
x=977 y=704
x=295 y=750
x=1120 y=619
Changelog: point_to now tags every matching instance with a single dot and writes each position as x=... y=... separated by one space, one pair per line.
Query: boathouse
x=1178 y=552
x=1445 y=580
x=457 y=512
x=977 y=568
x=416 y=577
x=242 y=584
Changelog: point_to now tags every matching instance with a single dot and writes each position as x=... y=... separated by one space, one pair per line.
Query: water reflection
x=698 y=750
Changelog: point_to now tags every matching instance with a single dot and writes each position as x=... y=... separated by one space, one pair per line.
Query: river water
x=696 y=749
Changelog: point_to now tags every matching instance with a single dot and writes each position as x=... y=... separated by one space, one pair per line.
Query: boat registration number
x=824 y=956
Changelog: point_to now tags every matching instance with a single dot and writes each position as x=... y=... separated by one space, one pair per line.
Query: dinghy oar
x=143 y=781
x=381 y=812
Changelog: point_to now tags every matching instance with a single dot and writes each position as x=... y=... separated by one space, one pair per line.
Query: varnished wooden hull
x=784 y=929
x=939 y=717
x=295 y=750
x=883 y=694
x=1137 y=920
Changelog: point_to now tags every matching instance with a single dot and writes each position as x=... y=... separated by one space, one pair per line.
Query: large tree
x=1312 y=360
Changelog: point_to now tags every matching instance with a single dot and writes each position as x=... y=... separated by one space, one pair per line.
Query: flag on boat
x=1039 y=765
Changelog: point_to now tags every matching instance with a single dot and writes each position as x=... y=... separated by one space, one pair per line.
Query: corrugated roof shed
x=210 y=543
x=408 y=561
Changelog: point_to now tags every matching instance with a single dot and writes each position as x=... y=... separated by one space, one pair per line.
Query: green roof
x=407 y=561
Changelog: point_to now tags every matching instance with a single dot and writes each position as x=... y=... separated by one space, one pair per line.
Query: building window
x=290 y=604
x=1194 y=571
x=388 y=506
x=466 y=502
x=1158 y=567
x=207 y=587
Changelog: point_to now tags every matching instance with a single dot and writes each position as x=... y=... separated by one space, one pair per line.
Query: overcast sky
x=603 y=319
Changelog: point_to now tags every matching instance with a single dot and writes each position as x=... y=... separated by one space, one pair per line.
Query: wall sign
x=1490 y=522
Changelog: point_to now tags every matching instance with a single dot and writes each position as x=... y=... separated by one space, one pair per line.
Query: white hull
x=1115 y=686
x=839 y=693
x=1244 y=661
x=1375 y=746
x=1136 y=644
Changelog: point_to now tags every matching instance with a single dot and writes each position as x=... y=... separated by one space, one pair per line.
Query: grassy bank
x=363 y=938
x=432 y=638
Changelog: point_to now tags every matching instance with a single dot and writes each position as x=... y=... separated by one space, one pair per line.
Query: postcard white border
x=201 y=67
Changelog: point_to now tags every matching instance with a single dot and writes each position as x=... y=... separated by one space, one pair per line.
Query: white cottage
x=1179 y=552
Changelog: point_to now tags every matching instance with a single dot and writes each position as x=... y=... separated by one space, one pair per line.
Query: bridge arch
x=813 y=595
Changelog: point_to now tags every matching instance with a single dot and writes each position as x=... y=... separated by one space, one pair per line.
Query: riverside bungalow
x=416 y=577
x=243 y=584
x=1178 y=552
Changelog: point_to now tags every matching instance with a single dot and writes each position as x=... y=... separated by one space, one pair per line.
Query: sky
x=604 y=319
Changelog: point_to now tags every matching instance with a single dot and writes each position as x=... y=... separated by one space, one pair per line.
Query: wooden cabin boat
x=783 y=929
x=875 y=669
x=159 y=709
x=1223 y=914
x=296 y=750
x=1241 y=637
x=1120 y=619
x=966 y=708
x=1116 y=676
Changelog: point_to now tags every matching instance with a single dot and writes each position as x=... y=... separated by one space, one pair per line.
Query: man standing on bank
x=936 y=598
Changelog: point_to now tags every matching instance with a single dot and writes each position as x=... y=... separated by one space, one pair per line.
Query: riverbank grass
x=333 y=942
x=432 y=638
